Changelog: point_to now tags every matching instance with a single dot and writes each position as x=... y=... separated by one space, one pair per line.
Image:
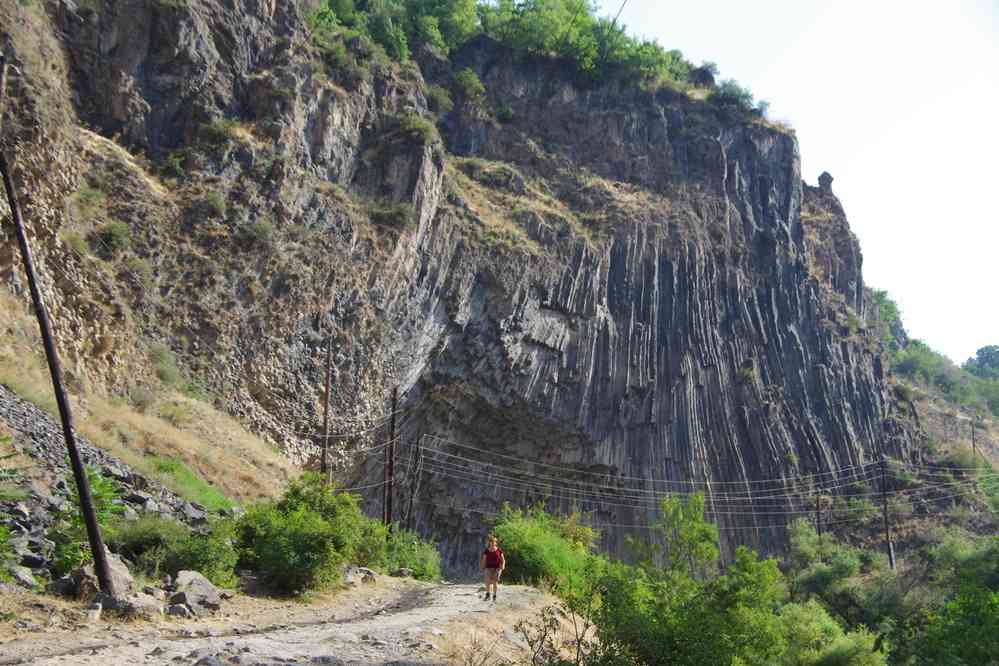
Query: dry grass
x=214 y=446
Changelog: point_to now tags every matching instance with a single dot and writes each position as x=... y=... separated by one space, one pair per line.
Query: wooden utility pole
x=974 y=447
x=884 y=509
x=324 y=465
x=818 y=515
x=390 y=460
x=55 y=368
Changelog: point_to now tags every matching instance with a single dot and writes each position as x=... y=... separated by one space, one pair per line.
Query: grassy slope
x=186 y=444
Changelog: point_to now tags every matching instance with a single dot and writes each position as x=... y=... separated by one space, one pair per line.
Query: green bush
x=7 y=557
x=469 y=85
x=294 y=551
x=504 y=113
x=439 y=99
x=68 y=531
x=417 y=129
x=407 y=550
x=160 y=546
x=260 y=232
x=115 y=237
x=165 y=364
x=214 y=204
x=219 y=132
x=539 y=550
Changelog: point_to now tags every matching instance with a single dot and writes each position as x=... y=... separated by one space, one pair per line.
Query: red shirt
x=494 y=558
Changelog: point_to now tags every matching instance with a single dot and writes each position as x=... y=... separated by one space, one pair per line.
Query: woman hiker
x=492 y=564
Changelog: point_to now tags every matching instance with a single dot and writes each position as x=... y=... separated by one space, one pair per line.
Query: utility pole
x=390 y=460
x=974 y=447
x=818 y=515
x=416 y=471
x=55 y=368
x=884 y=509
x=324 y=465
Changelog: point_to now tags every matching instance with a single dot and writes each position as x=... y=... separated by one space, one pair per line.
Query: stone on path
x=87 y=587
x=196 y=592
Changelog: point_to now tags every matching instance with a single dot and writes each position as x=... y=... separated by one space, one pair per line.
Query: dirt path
x=392 y=622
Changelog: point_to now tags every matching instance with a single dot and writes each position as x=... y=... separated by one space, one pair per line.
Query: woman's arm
x=482 y=562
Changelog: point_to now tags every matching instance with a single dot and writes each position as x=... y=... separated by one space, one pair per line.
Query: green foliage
x=504 y=113
x=114 y=237
x=689 y=543
x=985 y=363
x=417 y=129
x=219 y=132
x=68 y=531
x=469 y=85
x=165 y=364
x=889 y=319
x=733 y=98
x=920 y=363
x=542 y=547
x=439 y=99
x=90 y=201
x=314 y=529
x=294 y=551
x=214 y=204
x=406 y=549
x=177 y=476
x=7 y=557
x=391 y=215
x=964 y=632
x=159 y=546
x=260 y=232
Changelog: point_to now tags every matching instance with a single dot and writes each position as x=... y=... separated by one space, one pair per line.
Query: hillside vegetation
x=973 y=385
x=823 y=603
x=598 y=48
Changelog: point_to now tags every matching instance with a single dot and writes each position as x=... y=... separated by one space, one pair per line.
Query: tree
x=985 y=363
x=965 y=631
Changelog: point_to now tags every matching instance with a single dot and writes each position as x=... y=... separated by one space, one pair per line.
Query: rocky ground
x=390 y=621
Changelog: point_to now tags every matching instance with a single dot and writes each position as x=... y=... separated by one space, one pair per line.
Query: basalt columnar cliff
x=605 y=278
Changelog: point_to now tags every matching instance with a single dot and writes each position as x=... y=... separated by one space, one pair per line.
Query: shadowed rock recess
x=609 y=280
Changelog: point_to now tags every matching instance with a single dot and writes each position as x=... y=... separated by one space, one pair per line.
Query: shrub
x=391 y=215
x=141 y=397
x=538 y=550
x=470 y=85
x=114 y=237
x=407 y=549
x=219 y=132
x=504 y=113
x=7 y=557
x=439 y=99
x=417 y=129
x=293 y=551
x=165 y=364
x=341 y=510
x=140 y=269
x=214 y=204
x=161 y=546
x=260 y=232
x=68 y=532
x=77 y=243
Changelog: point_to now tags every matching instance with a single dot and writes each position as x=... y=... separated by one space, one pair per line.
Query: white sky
x=899 y=101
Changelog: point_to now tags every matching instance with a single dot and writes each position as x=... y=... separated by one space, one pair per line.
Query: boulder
x=140 y=606
x=196 y=592
x=85 y=580
x=179 y=610
x=64 y=587
x=23 y=577
x=403 y=573
x=353 y=575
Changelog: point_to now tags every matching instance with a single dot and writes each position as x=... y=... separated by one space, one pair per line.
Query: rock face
x=616 y=282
